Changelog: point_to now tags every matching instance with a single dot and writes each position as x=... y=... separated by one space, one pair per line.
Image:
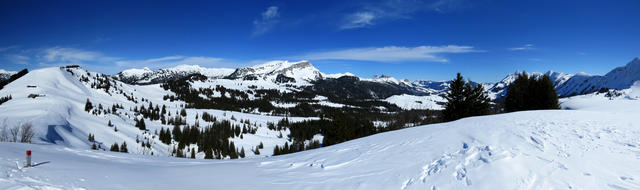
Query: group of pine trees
x=531 y=93
x=525 y=93
x=5 y=99
x=296 y=146
x=151 y=112
x=119 y=148
x=140 y=124
x=465 y=100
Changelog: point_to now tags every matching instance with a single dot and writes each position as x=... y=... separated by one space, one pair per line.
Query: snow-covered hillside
x=591 y=148
x=409 y=102
x=57 y=110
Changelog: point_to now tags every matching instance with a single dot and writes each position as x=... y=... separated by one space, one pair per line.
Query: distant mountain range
x=4 y=75
x=304 y=73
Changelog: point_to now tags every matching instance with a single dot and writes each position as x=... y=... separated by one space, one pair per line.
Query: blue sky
x=414 y=39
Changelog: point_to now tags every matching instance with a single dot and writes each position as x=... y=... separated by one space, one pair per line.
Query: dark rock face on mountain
x=284 y=79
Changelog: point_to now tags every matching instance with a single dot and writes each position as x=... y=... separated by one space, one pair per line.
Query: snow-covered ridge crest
x=275 y=71
x=618 y=78
x=146 y=75
x=4 y=74
x=382 y=78
x=136 y=72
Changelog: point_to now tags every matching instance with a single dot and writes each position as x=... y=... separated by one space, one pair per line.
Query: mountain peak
x=635 y=61
x=299 y=71
x=381 y=76
x=135 y=72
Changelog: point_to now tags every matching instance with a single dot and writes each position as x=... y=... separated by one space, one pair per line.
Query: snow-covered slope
x=59 y=117
x=618 y=78
x=553 y=149
x=409 y=102
x=147 y=76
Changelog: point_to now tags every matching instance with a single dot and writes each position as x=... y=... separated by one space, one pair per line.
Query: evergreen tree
x=94 y=147
x=123 y=147
x=193 y=153
x=140 y=124
x=234 y=152
x=242 y=153
x=477 y=99
x=208 y=154
x=531 y=93
x=455 y=107
x=88 y=106
x=179 y=153
x=183 y=112
x=465 y=100
x=177 y=134
x=276 y=150
x=115 y=147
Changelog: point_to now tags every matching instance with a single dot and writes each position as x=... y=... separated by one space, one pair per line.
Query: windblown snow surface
x=594 y=148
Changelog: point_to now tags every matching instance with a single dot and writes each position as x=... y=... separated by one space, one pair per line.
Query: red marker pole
x=28 y=158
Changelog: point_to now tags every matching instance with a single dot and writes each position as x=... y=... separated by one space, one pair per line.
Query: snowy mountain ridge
x=4 y=74
x=147 y=76
x=301 y=72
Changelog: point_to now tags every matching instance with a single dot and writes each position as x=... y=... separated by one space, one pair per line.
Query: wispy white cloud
x=149 y=61
x=390 y=53
x=370 y=13
x=55 y=56
x=170 y=61
x=358 y=20
x=17 y=59
x=269 y=18
x=73 y=55
x=523 y=48
x=2 y=49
